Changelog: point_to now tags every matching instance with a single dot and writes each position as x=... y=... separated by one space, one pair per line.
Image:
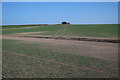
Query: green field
x=107 y=30
x=22 y=66
x=42 y=58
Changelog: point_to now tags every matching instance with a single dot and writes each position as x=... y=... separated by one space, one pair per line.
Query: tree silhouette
x=65 y=23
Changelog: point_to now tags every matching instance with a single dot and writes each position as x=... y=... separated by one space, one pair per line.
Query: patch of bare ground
x=106 y=51
x=92 y=39
x=23 y=27
x=31 y=32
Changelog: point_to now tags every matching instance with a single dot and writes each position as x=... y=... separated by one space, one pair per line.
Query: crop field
x=68 y=30
x=53 y=58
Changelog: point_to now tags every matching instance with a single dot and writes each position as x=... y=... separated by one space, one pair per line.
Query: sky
x=60 y=0
x=18 y=13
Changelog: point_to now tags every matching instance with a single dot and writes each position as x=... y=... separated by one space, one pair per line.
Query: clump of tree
x=65 y=23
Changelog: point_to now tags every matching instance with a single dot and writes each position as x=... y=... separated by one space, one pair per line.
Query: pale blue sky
x=60 y=0
x=56 y=12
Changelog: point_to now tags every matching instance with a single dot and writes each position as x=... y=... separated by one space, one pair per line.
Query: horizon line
x=48 y=24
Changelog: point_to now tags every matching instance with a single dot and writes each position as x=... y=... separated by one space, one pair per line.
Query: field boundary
x=47 y=60
x=74 y=38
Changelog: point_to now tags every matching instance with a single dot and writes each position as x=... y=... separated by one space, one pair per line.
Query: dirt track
x=76 y=38
x=23 y=27
x=106 y=51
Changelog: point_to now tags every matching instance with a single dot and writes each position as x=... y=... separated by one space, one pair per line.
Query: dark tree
x=64 y=22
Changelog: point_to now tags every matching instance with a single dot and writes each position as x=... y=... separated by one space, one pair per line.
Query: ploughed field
x=50 y=58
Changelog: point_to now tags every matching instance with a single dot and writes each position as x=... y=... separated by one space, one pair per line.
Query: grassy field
x=49 y=62
x=41 y=58
x=107 y=30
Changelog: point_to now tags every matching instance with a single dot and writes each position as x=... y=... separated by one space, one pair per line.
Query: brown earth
x=23 y=27
x=32 y=32
x=106 y=51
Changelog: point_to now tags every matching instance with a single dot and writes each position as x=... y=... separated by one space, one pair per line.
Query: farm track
x=48 y=61
x=62 y=30
x=59 y=31
x=23 y=28
x=108 y=42
x=85 y=48
x=73 y=38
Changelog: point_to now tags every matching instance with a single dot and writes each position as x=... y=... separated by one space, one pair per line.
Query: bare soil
x=32 y=32
x=23 y=27
x=92 y=39
x=106 y=51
